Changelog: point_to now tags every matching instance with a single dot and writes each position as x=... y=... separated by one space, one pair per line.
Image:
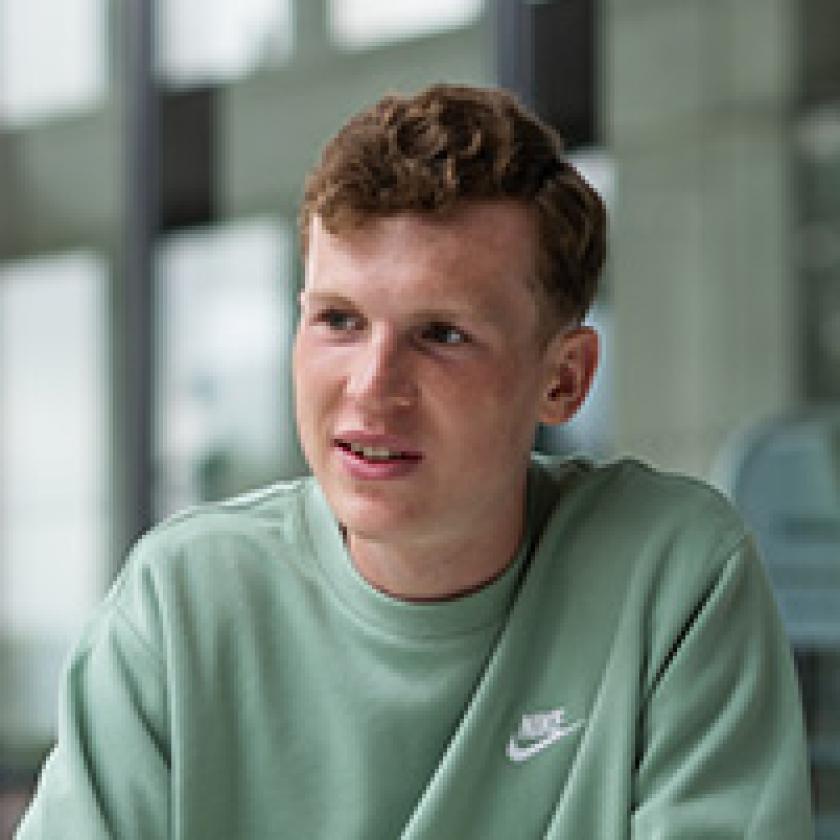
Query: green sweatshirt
x=627 y=677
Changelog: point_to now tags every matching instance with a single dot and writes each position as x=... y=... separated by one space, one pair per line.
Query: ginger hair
x=449 y=144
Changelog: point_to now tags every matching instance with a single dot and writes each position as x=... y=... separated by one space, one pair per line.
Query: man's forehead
x=477 y=245
x=497 y=221
x=476 y=263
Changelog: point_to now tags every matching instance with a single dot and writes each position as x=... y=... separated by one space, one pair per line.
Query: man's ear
x=571 y=359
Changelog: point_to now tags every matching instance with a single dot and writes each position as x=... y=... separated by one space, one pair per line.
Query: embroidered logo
x=538 y=731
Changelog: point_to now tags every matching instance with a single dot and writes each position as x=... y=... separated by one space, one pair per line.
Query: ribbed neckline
x=428 y=620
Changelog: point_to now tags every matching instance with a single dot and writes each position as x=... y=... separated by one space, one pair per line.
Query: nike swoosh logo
x=518 y=753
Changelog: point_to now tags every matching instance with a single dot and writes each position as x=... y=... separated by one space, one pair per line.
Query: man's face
x=419 y=373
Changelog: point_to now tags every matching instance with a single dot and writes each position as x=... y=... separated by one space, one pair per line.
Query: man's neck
x=436 y=570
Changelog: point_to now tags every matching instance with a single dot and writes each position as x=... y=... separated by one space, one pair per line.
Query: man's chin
x=379 y=520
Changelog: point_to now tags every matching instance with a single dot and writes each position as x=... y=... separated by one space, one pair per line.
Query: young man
x=438 y=636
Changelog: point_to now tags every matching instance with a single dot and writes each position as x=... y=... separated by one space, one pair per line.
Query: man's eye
x=444 y=334
x=338 y=320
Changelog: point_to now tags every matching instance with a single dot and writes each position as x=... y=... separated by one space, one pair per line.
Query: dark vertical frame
x=818 y=207
x=547 y=55
x=189 y=158
x=817 y=278
x=134 y=315
x=169 y=169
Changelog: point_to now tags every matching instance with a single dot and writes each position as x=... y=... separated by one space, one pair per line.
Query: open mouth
x=376 y=454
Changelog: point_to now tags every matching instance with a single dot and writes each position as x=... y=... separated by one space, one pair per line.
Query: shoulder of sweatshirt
x=210 y=553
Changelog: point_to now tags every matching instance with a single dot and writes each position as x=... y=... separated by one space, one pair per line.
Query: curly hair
x=449 y=144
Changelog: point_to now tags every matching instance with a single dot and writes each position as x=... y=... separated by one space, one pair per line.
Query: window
x=357 y=24
x=224 y=420
x=54 y=471
x=52 y=57
x=53 y=441
x=212 y=40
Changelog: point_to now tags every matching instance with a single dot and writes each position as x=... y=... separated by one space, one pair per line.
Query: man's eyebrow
x=474 y=311
x=325 y=298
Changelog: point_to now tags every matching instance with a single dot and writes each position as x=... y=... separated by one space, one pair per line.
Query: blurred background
x=151 y=162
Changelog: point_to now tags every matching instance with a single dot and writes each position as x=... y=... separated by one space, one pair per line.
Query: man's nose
x=381 y=376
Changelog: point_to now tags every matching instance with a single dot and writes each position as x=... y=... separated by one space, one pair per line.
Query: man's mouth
x=377 y=454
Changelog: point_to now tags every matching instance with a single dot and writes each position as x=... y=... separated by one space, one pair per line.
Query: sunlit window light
x=54 y=444
x=214 y=40
x=358 y=24
x=53 y=57
x=224 y=322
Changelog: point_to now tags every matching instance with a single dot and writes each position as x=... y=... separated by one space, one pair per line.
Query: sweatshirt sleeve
x=108 y=775
x=722 y=748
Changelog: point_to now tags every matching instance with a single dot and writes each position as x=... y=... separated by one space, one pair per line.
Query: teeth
x=375 y=453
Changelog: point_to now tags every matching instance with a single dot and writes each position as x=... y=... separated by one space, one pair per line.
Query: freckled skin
x=427 y=330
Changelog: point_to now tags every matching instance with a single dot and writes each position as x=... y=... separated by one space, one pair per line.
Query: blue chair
x=783 y=475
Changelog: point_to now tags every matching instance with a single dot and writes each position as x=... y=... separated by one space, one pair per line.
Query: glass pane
x=53 y=441
x=357 y=24
x=207 y=40
x=54 y=473
x=225 y=322
x=52 y=57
